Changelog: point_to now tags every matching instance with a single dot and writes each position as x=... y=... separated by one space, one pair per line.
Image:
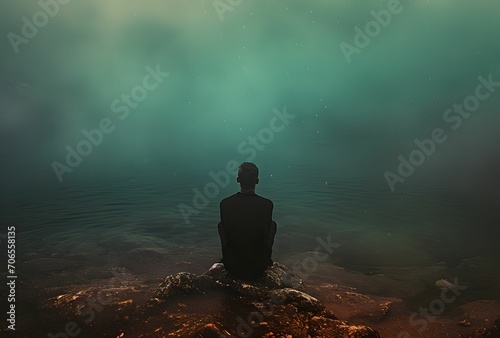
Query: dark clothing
x=247 y=234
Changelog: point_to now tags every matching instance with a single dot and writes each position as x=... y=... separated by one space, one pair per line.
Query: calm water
x=412 y=238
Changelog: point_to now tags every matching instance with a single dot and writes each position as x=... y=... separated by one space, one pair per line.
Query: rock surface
x=491 y=332
x=121 y=303
x=275 y=306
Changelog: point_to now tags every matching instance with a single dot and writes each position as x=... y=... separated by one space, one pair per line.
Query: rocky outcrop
x=486 y=332
x=274 y=306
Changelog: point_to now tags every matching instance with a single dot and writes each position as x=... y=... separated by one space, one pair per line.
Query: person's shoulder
x=229 y=198
x=266 y=200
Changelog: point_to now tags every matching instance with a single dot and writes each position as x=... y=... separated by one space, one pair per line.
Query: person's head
x=248 y=175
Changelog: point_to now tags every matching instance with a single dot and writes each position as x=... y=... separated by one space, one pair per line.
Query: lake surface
x=412 y=238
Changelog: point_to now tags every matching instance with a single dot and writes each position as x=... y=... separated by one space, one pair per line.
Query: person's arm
x=272 y=233
x=222 y=232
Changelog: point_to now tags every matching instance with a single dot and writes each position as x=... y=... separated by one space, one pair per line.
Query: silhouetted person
x=246 y=228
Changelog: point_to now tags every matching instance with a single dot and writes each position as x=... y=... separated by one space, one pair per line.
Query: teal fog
x=373 y=122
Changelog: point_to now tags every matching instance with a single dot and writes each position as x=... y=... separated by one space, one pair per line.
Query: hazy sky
x=229 y=66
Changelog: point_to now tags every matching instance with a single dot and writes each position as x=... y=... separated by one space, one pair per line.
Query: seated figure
x=246 y=228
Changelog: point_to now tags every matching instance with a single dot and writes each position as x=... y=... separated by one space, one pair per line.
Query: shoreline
x=63 y=275
x=93 y=298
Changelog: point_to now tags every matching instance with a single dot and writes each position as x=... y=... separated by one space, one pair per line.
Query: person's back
x=246 y=228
